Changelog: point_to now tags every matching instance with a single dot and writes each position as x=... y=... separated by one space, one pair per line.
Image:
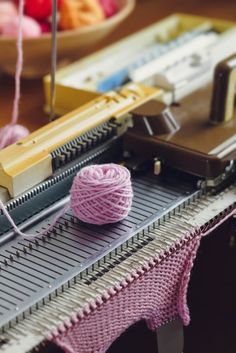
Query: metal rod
x=53 y=59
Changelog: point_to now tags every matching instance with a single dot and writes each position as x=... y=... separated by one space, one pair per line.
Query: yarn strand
x=13 y=132
x=26 y=235
x=19 y=65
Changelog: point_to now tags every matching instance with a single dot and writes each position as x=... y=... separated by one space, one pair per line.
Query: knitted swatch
x=157 y=293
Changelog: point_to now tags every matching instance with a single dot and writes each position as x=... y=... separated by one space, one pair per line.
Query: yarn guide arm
x=33 y=156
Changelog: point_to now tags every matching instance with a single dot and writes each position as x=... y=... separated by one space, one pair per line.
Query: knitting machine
x=182 y=159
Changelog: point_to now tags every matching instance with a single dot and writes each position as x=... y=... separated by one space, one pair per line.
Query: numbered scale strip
x=65 y=306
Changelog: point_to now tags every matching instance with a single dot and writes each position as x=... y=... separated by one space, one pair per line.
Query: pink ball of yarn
x=110 y=7
x=45 y=26
x=30 y=27
x=10 y=134
x=7 y=10
x=101 y=194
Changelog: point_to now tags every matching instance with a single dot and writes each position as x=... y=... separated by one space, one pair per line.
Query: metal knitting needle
x=53 y=59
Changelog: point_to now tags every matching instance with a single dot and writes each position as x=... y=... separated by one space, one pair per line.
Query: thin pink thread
x=13 y=132
x=19 y=65
x=19 y=232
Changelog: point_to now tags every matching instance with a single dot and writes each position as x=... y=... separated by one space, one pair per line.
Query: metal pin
x=66 y=302
x=121 y=272
x=165 y=240
x=150 y=251
x=51 y=319
x=102 y=286
x=170 y=236
x=64 y=311
x=173 y=231
x=77 y=299
x=174 y=221
x=114 y=277
x=89 y=291
x=11 y=336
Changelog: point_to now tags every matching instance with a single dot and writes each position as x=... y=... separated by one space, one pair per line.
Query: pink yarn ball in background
x=101 y=194
x=30 y=27
x=110 y=7
x=45 y=27
x=7 y=10
x=10 y=134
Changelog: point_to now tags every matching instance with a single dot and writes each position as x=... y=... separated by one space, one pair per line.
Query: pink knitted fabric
x=153 y=296
x=156 y=293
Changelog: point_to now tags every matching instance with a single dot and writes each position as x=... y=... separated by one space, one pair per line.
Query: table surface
x=146 y=12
